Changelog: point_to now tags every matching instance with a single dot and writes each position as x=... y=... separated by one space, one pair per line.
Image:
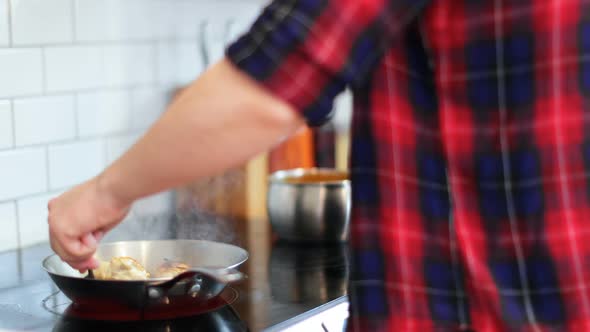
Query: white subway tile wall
x=71 y=68
x=41 y=22
x=114 y=20
x=6 y=136
x=152 y=204
x=8 y=222
x=22 y=72
x=187 y=68
x=180 y=22
x=22 y=172
x=32 y=214
x=186 y=59
x=101 y=113
x=117 y=145
x=167 y=51
x=80 y=81
x=146 y=105
x=129 y=65
x=72 y=163
x=44 y=120
x=4 y=23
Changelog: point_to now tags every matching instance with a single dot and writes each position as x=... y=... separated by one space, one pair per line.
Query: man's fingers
x=74 y=251
x=55 y=244
x=83 y=266
x=89 y=241
x=98 y=235
x=51 y=203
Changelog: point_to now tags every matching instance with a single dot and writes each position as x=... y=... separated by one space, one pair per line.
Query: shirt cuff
x=290 y=75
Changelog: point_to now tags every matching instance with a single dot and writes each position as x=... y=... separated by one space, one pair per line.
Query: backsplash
x=81 y=80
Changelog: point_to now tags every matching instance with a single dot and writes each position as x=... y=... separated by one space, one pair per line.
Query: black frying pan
x=213 y=266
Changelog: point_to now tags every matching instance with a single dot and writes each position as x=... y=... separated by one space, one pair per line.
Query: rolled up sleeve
x=307 y=51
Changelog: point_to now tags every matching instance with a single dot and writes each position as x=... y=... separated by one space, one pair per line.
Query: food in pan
x=127 y=268
x=121 y=268
x=170 y=269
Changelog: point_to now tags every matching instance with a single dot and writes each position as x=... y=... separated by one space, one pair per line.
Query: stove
x=288 y=287
x=58 y=304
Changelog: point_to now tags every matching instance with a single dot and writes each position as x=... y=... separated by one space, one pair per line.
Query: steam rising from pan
x=204 y=210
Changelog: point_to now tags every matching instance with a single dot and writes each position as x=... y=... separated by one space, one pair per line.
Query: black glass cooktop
x=286 y=283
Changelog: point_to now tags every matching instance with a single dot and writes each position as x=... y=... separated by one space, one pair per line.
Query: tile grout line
x=36 y=194
x=81 y=139
x=9 y=13
x=112 y=88
x=19 y=243
x=157 y=56
x=44 y=85
x=76 y=116
x=131 y=94
x=13 y=123
x=47 y=171
x=104 y=43
x=18 y=224
x=73 y=7
x=105 y=154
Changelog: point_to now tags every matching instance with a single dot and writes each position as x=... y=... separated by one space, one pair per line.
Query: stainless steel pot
x=213 y=266
x=310 y=210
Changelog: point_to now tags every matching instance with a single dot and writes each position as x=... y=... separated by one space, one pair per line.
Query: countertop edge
x=307 y=315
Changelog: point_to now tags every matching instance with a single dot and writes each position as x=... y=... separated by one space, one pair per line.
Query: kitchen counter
x=287 y=286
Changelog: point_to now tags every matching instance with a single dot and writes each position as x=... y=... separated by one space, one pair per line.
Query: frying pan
x=213 y=265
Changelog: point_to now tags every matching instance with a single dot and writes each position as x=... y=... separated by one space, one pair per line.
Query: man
x=470 y=151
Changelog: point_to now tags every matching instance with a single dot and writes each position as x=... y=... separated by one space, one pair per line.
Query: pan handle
x=224 y=276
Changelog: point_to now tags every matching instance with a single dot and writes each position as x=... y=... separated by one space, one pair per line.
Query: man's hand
x=79 y=218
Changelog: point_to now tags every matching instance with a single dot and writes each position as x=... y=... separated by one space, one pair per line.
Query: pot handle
x=224 y=276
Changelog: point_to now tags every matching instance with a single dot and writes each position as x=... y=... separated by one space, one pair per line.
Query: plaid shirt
x=470 y=152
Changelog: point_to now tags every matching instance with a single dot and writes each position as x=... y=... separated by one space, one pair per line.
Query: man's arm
x=220 y=121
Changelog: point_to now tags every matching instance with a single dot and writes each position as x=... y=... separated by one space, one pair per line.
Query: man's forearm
x=220 y=121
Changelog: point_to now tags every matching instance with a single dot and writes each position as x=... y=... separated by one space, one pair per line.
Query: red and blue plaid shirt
x=470 y=152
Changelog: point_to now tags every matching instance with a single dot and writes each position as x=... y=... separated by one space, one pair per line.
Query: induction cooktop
x=286 y=283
